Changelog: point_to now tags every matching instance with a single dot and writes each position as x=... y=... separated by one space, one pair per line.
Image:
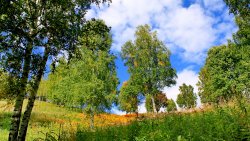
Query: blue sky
x=187 y=27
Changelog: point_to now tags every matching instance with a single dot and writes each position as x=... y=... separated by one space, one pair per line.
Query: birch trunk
x=15 y=119
x=32 y=98
x=153 y=103
x=92 y=120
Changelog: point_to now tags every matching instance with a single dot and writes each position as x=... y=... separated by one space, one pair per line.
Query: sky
x=187 y=27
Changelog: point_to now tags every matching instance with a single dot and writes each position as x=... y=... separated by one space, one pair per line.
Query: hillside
x=222 y=123
x=47 y=117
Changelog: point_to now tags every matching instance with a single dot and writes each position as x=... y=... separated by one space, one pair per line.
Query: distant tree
x=160 y=102
x=43 y=90
x=128 y=97
x=31 y=32
x=171 y=105
x=148 y=62
x=8 y=86
x=187 y=97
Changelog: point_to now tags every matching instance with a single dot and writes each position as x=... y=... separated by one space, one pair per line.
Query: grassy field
x=50 y=118
x=221 y=123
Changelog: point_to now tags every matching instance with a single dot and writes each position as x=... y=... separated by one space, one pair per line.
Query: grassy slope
x=224 y=123
x=47 y=117
x=227 y=123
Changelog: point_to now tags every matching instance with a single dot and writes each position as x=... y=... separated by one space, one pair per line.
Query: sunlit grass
x=48 y=117
x=222 y=123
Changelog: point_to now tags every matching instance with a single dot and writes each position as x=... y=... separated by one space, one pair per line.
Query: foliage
x=171 y=105
x=88 y=81
x=42 y=90
x=8 y=86
x=161 y=101
x=148 y=62
x=225 y=74
x=241 y=10
x=226 y=71
x=128 y=97
x=187 y=97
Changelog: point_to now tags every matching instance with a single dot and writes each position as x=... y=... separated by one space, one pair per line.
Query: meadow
x=52 y=122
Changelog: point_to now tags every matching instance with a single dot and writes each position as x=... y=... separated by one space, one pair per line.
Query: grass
x=50 y=118
x=222 y=123
x=225 y=123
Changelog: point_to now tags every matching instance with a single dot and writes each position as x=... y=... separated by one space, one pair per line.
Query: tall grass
x=50 y=121
x=220 y=124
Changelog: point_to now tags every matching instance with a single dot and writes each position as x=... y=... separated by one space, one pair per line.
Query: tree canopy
x=226 y=71
x=148 y=61
x=128 y=97
x=88 y=80
x=187 y=97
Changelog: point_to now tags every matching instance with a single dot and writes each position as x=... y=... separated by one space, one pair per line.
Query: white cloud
x=186 y=76
x=117 y=111
x=142 y=108
x=190 y=29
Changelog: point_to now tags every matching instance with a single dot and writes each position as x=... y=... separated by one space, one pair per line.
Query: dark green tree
x=31 y=32
x=171 y=105
x=241 y=10
x=148 y=61
x=128 y=97
x=226 y=72
x=187 y=97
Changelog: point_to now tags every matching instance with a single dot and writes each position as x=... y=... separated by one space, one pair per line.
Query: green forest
x=59 y=79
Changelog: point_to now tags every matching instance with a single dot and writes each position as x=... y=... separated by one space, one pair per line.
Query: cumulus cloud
x=187 y=31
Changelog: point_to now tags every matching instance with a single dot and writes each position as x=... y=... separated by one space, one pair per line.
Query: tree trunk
x=153 y=103
x=92 y=120
x=32 y=98
x=15 y=119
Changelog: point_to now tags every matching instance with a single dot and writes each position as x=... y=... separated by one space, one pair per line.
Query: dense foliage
x=8 y=86
x=128 y=97
x=171 y=105
x=88 y=80
x=161 y=101
x=226 y=71
x=187 y=97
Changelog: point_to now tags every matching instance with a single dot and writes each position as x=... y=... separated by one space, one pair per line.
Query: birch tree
x=31 y=32
x=148 y=62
